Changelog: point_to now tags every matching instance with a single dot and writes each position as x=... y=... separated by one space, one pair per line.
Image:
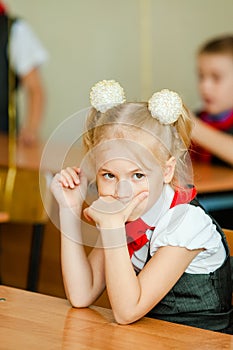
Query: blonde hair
x=130 y=118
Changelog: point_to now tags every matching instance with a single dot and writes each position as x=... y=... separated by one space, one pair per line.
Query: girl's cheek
x=105 y=189
x=140 y=188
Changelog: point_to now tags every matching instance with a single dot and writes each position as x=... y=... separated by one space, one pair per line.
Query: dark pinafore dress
x=200 y=300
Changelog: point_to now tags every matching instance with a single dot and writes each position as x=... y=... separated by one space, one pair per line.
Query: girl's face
x=216 y=82
x=124 y=172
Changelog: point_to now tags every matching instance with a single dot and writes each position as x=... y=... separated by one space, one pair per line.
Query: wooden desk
x=212 y=178
x=26 y=157
x=4 y=217
x=35 y=321
x=215 y=191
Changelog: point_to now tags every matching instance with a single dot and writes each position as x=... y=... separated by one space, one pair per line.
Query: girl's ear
x=169 y=170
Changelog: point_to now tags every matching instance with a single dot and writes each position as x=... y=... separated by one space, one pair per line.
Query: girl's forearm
x=80 y=285
x=122 y=283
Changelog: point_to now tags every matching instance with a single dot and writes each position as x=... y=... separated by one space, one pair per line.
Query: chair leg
x=35 y=255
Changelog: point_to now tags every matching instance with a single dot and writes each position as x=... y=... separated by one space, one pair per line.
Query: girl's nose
x=124 y=189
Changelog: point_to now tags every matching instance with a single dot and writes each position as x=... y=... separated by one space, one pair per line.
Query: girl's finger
x=60 y=179
x=85 y=213
x=64 y=181
x=136 y=201
x=74 y=174
x=67 y=178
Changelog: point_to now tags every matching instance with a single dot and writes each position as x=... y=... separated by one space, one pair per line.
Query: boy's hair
x=219 y=45
x=129 y=118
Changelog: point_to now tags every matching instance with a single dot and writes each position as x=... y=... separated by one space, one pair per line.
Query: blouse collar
x=160 y=207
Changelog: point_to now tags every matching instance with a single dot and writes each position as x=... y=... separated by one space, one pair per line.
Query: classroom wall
x=145 y=44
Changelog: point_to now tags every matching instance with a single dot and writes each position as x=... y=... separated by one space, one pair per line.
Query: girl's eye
x=108 y=176
x=138 y=176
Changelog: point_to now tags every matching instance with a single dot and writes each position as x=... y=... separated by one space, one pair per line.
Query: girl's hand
x=109 y=212
x=69 y=187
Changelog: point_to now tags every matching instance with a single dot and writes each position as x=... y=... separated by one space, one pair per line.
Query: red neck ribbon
x=136 y=230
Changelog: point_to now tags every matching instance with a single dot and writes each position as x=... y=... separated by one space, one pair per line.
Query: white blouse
x=186 y=226
x=26 y=49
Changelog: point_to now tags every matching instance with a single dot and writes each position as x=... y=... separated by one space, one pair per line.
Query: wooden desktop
x=35 y=321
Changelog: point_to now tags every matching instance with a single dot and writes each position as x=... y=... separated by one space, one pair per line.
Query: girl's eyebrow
x=130 y=170
x=104 y=170
x=137 y=170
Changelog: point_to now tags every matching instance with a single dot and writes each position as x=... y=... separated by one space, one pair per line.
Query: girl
x=160 y=255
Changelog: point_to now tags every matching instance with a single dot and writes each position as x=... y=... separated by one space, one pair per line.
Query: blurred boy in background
x=213 y=131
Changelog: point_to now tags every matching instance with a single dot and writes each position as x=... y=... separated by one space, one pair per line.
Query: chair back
x=229 y=236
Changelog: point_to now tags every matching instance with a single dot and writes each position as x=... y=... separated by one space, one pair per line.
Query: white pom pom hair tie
x=106 y=94
x=166 y=106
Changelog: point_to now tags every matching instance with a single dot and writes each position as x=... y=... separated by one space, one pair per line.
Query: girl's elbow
x=79 y=303
x=122 y=322
x=125 y=318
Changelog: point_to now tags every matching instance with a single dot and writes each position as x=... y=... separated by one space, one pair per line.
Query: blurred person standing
x=20 y=46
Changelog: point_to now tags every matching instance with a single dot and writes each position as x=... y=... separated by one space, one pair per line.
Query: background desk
x=215 y=191
x=212 y=178
x=34 y=321
x=26 y=157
